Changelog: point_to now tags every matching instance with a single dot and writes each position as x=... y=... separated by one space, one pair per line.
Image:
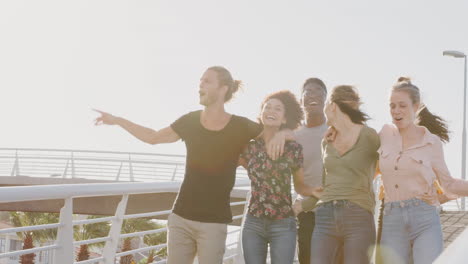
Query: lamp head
x=454 y=53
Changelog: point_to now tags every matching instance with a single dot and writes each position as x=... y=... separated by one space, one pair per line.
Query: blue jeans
x=257 y=233
x=411 y=233
x=342 y=225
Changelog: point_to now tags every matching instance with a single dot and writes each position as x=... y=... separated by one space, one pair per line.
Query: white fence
x=141 y=172
x=64 y=246
x=96 y=165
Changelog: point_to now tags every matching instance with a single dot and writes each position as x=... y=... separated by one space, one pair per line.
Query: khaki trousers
x=187 y=238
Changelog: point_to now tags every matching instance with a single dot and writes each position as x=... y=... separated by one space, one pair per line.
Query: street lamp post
x=458 y=54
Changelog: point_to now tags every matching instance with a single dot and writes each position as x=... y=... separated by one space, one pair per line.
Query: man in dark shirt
x=214 y=140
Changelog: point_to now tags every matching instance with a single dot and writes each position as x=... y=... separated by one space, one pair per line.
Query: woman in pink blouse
x=412 y=166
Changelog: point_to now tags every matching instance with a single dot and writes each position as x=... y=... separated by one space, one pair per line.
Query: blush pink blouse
x=411 y=173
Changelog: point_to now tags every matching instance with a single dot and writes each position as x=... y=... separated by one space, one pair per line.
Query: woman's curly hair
x=292 y=109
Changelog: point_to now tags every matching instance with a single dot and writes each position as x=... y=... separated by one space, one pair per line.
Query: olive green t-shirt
x=349 y=176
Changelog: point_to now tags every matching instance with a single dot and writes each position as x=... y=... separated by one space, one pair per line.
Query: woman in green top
x=344 y=216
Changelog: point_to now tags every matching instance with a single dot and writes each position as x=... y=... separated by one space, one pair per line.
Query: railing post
x=239 y=259
x=65 y=253
x=130 y=167
x=15 y=171
x=111 y=246
x=7 y=243
x=64 y=174
x=73 y=165
x=175 y=172
x=118 y=173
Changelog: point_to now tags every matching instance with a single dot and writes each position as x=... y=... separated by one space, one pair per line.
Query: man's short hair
x=316 y=81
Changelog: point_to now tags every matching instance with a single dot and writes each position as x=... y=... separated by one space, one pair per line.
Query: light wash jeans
x=411 y=233
x=342 y=225
x=257 y=233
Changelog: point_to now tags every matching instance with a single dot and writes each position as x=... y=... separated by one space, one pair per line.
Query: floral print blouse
x=271 y=179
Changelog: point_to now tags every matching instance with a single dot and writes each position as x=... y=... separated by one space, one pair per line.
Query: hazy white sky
x=143 y=60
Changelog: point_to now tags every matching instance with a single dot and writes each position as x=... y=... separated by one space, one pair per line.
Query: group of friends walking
x=321 y=145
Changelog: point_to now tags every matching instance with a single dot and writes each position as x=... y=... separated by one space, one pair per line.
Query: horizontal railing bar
x=27 y=251
x=87 y=171
x=237 y=217
x=94 y=220
x=130 y=216
x=38 y=164
x=238 y=203
x=143 y=233
x=29 y=228
x=232 y=244
x=104 y=160
x=62 y=191
x=91 y=241
x=91 y=171
x=102 y=165
x=230 y=257
x=91 y=151
x=89 y=261
x=234 y=231
x=130 y=252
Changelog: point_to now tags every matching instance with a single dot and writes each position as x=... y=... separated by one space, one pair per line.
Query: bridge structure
x=117 y=186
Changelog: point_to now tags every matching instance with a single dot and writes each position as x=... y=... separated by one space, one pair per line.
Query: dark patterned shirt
x=271 y=180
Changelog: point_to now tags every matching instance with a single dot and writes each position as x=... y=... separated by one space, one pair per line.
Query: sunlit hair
x=225 y=78
x=348 y=100
x=316 y=81
x=292 y=108
x=435 y=124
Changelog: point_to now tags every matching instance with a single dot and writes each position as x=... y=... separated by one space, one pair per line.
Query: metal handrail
x=93 y=151
x=94 y=164
x=64 y=245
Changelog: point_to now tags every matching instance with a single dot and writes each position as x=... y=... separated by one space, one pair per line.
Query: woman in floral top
x=270 y=219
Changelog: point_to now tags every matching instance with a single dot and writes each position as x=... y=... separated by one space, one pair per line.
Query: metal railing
x=95 y=165
x=64 y=245
x=111 y=166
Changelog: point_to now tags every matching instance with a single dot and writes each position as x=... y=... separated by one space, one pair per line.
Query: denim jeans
x=342 y=225
x=306 y=223
x=257 y=233
x=411 y=233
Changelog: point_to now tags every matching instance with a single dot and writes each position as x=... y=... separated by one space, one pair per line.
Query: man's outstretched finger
x=99 y=111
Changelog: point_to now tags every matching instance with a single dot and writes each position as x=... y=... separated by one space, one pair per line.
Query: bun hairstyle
x=434 y=123
x=225 y=78
x=348 y=100
x=292 y=109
